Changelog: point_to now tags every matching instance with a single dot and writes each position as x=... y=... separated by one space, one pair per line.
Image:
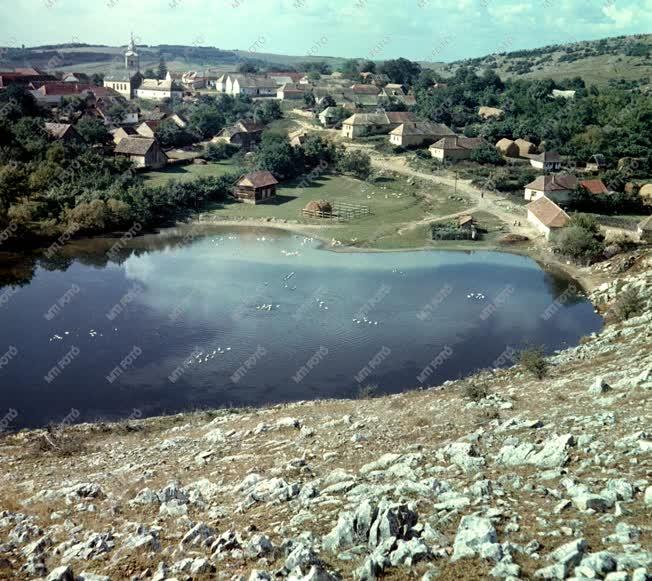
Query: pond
x=195 y=318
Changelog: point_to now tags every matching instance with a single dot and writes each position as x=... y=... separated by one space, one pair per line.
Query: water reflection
x=197 y=305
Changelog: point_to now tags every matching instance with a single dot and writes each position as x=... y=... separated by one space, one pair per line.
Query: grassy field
x=189 y=172
x=393 y=203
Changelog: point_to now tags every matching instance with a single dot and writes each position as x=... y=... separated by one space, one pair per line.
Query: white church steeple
x=132 y=59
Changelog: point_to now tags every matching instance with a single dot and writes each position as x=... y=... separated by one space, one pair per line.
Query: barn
x=256 y=187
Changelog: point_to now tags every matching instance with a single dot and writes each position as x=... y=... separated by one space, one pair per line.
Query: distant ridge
x=622 y=58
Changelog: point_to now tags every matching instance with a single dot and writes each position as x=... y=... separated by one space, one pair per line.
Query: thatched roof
x=59 y=130
x=135 y=145
x=258 y=179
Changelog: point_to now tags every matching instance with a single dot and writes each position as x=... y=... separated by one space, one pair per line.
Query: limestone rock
x=473 y=534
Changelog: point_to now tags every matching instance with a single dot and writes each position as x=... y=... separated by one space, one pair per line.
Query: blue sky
x=379 y=29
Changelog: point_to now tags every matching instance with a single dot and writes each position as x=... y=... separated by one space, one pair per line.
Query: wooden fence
x=341 y=212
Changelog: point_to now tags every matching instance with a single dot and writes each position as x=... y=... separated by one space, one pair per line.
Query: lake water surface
x=248 y=317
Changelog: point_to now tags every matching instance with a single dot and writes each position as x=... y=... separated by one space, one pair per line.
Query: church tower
x=132 y=59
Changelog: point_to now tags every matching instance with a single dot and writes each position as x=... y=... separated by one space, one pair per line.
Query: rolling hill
x=624 y=58
x=627 y=58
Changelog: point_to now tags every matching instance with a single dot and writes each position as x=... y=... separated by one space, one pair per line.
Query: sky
x=425 y=30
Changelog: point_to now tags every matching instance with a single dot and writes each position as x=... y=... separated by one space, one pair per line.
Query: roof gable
x=258 y=179
x=548 y=213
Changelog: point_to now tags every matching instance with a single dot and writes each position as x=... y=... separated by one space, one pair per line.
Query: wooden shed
x=256 y=187
x=507 y=147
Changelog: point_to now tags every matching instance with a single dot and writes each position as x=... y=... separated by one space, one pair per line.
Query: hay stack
x=507 y=147
x=525 y=148
x=319 y=207
x=646 y=194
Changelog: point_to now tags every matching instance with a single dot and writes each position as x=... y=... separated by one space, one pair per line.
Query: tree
x=357 y=163
x=317 y=150
x=162 y=68
x=401 y=71
x=88 y=217
x=275 y=154
x=13 y=183
x=248 y=68
x=93 y=131
x=268 y=111
x=97 y=79
x=150 y=74
x=487 y=154
x=309 y=99
x=367 y=67
x=206 y=120
x=325 y=102
x=579 y=242
x=17 y=102
x=220 y=151
x=30 y=134
x=349 y=68
x=117 y=112
x=170 y=134
x=313 y=76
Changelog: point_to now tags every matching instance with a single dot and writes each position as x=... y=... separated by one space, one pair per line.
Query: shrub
x=475 y=392
x=357 y=163
x=63 y=443
x=220 y=151
x=629 y=304
x=367 y=391
x=579 y=243
x=487 y=154
x=533 y=360
x=486 y=415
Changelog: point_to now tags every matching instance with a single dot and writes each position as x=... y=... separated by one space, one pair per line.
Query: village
x=371 y=309
x=411 y=182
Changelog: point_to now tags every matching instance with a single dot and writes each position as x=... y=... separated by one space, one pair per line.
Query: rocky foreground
x=501 y=475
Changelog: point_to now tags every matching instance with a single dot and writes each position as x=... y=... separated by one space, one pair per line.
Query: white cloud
x=621 y=17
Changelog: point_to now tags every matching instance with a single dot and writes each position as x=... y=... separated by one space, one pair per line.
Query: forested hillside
x=624 y=60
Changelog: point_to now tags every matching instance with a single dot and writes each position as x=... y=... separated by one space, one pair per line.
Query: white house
x=220 y=84
x=251 y=85
x=555 y=187
x=546 y=216
x=547 y=161
x=414 y=133
x=157 y=90
x=363 y=124
x=290 y=92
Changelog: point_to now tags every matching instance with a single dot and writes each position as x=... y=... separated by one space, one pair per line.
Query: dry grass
x=475 y=391
x=424 y=420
